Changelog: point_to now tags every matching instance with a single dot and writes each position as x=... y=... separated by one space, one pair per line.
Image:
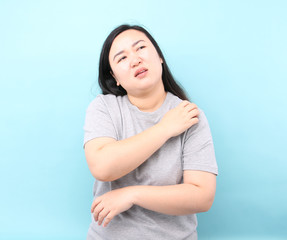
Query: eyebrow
x=134 y=44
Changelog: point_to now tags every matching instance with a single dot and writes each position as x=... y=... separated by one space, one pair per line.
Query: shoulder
x=102 y=99
x=175 y=100
x=201 y=129
x=172 y=100
x=107 y=101
x=202 y=117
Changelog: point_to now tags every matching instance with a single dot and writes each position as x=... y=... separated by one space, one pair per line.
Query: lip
x=140 y=71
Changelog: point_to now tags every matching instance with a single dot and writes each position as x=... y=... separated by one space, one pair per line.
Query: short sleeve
x=198 y=149
x=98 y=122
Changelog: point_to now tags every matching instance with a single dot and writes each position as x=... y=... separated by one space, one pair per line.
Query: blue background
x=231 y=57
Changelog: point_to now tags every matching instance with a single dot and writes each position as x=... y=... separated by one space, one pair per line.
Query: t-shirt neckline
x=157 y=111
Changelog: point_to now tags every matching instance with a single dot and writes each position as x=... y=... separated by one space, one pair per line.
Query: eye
x=141 y=47
x=122 y=58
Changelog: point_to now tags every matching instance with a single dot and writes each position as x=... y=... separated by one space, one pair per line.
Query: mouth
x=140 y=72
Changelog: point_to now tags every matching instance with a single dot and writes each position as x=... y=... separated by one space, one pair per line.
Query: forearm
x=195 y=195
x=118 y=158
x=109 y=160
x=181 y=199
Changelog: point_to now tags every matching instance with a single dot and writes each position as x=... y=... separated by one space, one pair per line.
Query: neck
x=149 y=102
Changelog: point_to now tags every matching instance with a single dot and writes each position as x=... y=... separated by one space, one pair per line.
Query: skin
x=109 y=159
x=136 y=52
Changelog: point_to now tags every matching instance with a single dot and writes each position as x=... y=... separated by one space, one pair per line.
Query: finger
x=190 y=107
x=193 y=121
x=102 y=215
x=94 y=204
x=194 y=113
x=184 y=103
x=108 y=219
x=97 y=211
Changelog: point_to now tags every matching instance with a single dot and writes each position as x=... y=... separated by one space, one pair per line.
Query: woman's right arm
x=109 y=159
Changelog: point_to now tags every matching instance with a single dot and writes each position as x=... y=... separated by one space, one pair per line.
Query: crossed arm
x=103 y=155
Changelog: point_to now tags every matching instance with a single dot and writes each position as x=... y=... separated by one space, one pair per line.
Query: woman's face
x=135 y=63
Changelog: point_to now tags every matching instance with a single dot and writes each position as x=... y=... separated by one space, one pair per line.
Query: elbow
x=99 y=176
x=102 y=175
x=206 y=207
x=207 y=204
x=99 y=169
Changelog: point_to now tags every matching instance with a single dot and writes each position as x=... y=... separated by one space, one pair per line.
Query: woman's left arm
x=194 y=195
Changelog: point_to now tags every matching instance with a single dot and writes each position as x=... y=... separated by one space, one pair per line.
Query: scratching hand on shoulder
x=180 y=118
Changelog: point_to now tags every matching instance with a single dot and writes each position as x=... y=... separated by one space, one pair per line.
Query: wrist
x=134 y=193
x=163 y=131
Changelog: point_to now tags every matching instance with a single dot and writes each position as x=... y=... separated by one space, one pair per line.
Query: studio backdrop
x=230 y=56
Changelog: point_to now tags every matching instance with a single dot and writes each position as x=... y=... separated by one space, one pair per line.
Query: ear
x=161 y=61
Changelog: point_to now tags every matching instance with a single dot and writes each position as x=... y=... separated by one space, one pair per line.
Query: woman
x=149 y=149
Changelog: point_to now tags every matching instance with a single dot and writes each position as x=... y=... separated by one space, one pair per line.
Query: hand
x=107 y=206
x=180 y=118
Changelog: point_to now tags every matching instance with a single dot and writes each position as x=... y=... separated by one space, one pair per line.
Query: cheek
x=155 y=57
x=157 y=63
x=120 y=71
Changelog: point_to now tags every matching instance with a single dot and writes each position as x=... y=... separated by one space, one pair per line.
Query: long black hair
x=106 y=80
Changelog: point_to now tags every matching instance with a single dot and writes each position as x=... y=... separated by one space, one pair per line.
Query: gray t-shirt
x=116 y=117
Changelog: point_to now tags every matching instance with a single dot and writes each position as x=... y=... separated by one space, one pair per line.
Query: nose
x=135 y=61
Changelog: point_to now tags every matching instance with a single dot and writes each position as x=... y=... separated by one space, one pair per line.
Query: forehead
x=126 y=39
